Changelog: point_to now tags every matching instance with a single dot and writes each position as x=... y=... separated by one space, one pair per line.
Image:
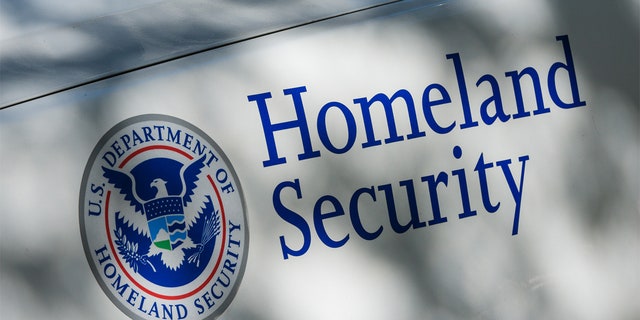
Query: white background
x=576 y=254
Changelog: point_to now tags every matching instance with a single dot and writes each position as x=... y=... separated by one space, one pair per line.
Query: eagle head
x=159 y=185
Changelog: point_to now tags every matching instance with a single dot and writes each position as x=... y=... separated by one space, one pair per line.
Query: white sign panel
x=420 y=160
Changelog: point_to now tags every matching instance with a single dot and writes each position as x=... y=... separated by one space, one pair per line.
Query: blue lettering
x=270 y=128
x=319 y=217
x=516 y=189
x=197 y=304
x=386 y=102
x=323 y=132
x=571 y=72
x=495 y=98
x=427 y=104
x=173 y=136
x=354 y=212
x=119 y=288
x=433 y=183
x=328 y=206
x=293 y=218
x=517 y=90
x=147 y=134
x=464 y=95
x=464 y=190
x=481 y=168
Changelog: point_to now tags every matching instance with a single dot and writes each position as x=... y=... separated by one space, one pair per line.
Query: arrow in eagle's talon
x=196 y=256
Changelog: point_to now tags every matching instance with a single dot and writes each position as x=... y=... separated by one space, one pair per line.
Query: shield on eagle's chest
x=165 y=217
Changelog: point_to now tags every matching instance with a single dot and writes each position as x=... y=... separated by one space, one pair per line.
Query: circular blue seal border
x=204 y=308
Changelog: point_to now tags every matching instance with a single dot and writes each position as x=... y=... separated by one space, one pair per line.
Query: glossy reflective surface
x=575 y=255
x=103 y=40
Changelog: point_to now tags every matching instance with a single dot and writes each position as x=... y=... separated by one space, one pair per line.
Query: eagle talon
x=196 y=256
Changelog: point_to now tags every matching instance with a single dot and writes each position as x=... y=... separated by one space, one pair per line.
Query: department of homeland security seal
x=162 y=219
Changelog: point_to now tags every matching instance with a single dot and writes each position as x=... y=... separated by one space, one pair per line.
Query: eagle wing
x=123 y=182
x=190 y=177
x=126 y=184
x=193 y=201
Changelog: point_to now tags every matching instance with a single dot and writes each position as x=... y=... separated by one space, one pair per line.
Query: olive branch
x=210 y=231
x=129 y=251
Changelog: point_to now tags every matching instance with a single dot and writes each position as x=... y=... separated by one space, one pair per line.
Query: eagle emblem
x=161 y=214
x=163 y=220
